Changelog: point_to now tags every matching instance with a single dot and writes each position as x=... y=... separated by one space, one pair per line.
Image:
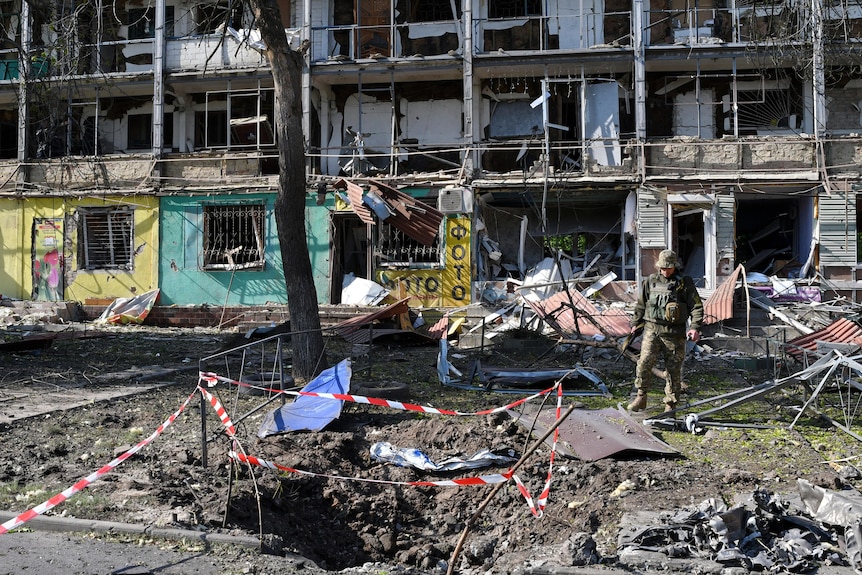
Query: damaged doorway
x=349 y=251
x=774 y=233
x=692 y=235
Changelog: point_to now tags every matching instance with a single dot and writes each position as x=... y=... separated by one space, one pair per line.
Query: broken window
x=431 y=10
x=235 y=119
x=142 y=23
x=396 y=249
x=514 y=8
x=106 y=238
x=140 y=129
x=211 y=16
x=764 y=107
x=234 y=237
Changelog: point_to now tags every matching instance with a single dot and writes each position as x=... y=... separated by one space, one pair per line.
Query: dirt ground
x=68 y=410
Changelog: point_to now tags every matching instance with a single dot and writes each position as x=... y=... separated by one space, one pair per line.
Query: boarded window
x=233 y=237
x=106 y=238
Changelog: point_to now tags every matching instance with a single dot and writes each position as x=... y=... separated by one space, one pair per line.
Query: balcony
x=685 y=157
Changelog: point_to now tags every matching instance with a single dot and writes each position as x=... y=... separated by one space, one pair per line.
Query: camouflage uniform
x=664 y=330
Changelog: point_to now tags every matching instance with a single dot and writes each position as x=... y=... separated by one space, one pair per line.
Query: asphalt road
x=47 y=553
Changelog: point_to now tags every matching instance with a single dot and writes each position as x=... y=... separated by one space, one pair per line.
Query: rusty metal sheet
x=842 y=330
x=590 y=435
x=349 y=326
x=719 y=305
x=558 y=312
x=417 y=220
x=354 y=194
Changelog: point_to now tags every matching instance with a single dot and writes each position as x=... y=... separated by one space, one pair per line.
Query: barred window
x=106 y=237
x=234 y=237
x=396 y=249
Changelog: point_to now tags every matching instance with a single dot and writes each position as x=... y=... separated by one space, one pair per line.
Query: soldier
x=666 y=302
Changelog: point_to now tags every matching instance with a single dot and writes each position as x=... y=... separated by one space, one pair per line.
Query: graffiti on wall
x=47 y=252
x=445 y=287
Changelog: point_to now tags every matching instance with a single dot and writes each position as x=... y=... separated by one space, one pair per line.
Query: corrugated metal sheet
x=652 y=218
x=558 y=313
x=354 y=194
x=842 y=330
x=719 y=305
x=725 y=218
x=415 y=219
x=837 y=215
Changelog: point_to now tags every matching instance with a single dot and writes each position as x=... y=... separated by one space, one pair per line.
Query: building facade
x=452 y=147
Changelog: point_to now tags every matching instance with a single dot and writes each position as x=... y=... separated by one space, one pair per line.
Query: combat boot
x=639 y=402
x=669 y=407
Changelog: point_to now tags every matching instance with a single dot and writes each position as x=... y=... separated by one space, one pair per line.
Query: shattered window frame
x=106 y=238
x=233 y=237
x=142 y=23
x=514 y=8
x=431 y=11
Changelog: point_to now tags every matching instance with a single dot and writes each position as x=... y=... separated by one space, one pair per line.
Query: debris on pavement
x=411 y=457
x=765 y=533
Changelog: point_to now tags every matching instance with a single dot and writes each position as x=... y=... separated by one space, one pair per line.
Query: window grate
x=233 y=237
x=398 y=249
x=108 y=237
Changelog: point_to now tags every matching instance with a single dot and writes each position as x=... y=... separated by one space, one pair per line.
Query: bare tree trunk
x=286 y=64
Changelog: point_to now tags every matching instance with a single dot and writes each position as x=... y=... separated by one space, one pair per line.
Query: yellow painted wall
x=445 y=287
x=12 y=258
x=83 y=285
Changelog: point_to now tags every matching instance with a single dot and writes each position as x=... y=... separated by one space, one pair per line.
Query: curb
x=87 y=525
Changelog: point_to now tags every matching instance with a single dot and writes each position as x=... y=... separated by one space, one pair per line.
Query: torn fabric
x=308 y=412
x=126 y=310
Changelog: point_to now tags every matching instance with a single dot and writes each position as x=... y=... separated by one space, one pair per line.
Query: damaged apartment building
x=452 y=146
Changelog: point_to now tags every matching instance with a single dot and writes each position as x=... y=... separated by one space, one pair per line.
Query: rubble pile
x=766 y=533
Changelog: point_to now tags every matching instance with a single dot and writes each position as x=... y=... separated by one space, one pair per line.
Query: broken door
x=349 y=253
x=601 y=122
x=692 y=235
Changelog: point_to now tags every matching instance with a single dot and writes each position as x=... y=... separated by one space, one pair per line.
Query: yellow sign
x=446 y=287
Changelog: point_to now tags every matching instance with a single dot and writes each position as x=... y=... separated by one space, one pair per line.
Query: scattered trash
x=623 y=488
x=411 y=457
x=129 y=310
x=766 y=533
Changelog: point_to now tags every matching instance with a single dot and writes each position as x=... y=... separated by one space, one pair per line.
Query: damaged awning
x=415 y=219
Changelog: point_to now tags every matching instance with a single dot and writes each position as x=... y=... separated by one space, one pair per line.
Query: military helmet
x=667 y=259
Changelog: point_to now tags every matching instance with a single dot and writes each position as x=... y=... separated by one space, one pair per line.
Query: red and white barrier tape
x=220 y=411
x=212 y=379
x=538 y=509
x=478 y=480
x=83 y=483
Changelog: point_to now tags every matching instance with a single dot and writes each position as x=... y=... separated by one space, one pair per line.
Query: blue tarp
x=308 y=412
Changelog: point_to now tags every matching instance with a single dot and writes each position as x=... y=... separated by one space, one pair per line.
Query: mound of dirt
x=331 y=502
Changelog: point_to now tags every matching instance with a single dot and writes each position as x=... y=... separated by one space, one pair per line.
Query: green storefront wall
x=183 y=279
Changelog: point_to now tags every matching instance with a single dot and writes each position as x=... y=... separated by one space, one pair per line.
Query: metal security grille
x=397 y=249
x=233 y=237
x=107 y=239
